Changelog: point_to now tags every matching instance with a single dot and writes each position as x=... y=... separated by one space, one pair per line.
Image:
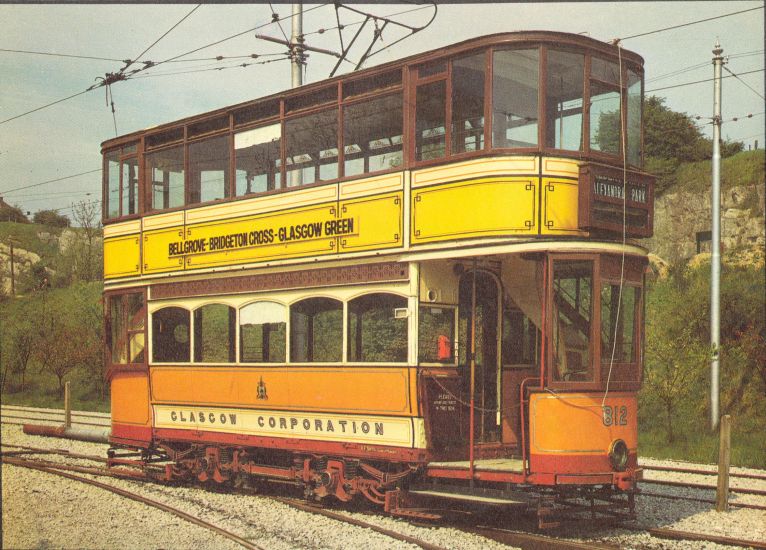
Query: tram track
x=11 y=454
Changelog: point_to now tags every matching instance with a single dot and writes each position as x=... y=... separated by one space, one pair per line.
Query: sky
x=64 y=140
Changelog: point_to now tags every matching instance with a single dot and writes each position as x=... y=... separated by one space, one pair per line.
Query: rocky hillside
x=42 y=252
x=682 y=220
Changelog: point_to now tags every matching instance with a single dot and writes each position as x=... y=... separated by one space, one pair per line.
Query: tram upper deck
x=505 y=138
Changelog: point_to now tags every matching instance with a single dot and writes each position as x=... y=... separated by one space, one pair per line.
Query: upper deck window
x=257 y=159
x=515 y=77
x=468 y=103
x=209 y=169
x=121 y=182
x=605 y=107
x=635 y=94
x=372 y=135
x=165 y=172
x=374 y=83
x=430 y=121
x=312 y=148
x=564 y=100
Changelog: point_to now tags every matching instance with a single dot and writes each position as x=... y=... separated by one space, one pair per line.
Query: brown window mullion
x=448 y=112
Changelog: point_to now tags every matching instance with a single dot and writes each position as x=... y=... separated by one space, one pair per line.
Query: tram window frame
x=267 y=330
x=593 y=349
x=186 y=357
x=357 y=343
x=121 y=156
x=494 y=93
x=306 y=354
x=549 y=118
x=604 y=75
x=421 y=358
x=202 y=344
x=606 y=346
x=126 y=333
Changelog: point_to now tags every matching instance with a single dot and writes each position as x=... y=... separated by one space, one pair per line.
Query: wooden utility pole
x=724 y=456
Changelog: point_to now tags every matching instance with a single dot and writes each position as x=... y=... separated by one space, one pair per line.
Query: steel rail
x=703 y=500
x=138 y=498
x=739 y=490
x=359 y=523
x=46 y=465
x=40 y=410
x=702 y=472
x=28 y=419
x=534 y=541
x=684 y=535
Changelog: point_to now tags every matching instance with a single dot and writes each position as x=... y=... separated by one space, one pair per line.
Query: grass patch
x=745 y=168
x=748 y=449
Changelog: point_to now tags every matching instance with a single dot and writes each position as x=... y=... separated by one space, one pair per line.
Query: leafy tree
x=678 y=349
x=51 y=218
x=672 y=138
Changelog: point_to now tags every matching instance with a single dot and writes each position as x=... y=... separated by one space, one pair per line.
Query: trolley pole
x=715 y=243
x=296 y=46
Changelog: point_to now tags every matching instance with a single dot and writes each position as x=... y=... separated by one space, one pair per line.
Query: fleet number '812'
x=615 y=416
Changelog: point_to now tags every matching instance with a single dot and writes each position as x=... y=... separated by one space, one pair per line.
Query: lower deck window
x=170 y=335
x=126 y=329
x=262 y=333
x=572 y=314
x=376 y=333
x=316 y=331
x=619 y=311
x=214 y=328
x=436 y=334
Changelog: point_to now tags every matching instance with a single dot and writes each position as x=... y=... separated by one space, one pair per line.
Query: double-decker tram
x=420 y=277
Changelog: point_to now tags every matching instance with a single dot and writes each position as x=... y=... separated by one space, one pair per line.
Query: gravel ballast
x=41 y=510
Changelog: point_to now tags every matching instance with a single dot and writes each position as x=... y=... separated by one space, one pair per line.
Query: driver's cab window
x=572 y=320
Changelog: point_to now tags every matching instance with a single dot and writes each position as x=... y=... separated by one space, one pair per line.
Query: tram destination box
x=603 y=196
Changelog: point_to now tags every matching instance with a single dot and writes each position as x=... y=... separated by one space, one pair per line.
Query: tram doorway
x=479 y=316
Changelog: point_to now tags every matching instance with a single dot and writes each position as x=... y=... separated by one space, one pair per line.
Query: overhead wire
x=184 y=18
x=64 y=55
x=743 y=82
x=698 y=82
x=691 y=23
x=131 y=74
x=7 y=191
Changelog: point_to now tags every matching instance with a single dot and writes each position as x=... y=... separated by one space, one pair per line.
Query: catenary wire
x=744 y=83
x=64 y=55
x=698 y=82
x=690 y=23
x=49 y=181
x=161 y=37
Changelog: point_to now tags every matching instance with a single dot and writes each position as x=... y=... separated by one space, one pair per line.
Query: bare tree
x=88 y=250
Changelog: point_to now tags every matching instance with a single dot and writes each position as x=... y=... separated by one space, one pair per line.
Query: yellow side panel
x=578 y=424
x=374 y=390
x=380 y=225
x=122 y=256
x=477 y=208
x=560 y=200
x=130 y=398
x=156 y=245
x=264 y=237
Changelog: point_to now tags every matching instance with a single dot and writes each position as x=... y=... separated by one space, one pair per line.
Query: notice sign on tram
x=610 y=198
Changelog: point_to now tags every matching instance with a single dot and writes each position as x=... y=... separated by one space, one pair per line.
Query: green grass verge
x=748 y=449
